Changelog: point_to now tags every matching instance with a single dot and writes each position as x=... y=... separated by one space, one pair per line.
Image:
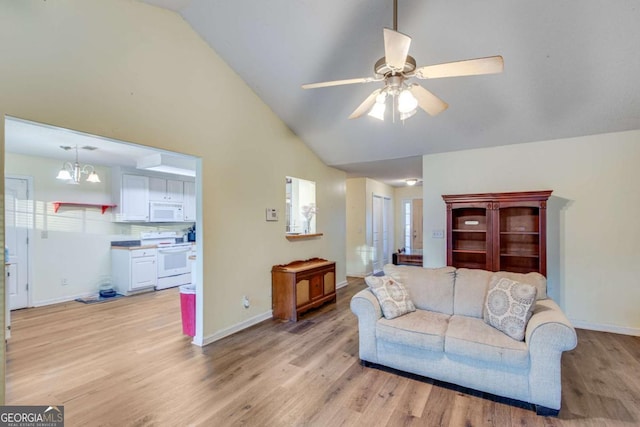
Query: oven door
x=173 y=261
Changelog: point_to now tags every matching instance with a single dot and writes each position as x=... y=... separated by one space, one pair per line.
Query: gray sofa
x=447 y=339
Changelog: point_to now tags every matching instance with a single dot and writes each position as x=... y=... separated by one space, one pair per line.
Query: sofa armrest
x=365 y=305
x=550 y=327
x=548 y=334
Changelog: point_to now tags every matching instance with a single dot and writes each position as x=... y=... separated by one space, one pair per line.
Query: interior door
x=18 y=214
x=416 y=223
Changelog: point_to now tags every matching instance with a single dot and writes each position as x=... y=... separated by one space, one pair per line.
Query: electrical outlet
x=64 y=281
x=245 y=302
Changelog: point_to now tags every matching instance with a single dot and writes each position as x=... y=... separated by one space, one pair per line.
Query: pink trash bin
x=188 y=308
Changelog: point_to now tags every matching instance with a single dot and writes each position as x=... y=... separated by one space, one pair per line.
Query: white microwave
x=166 y=212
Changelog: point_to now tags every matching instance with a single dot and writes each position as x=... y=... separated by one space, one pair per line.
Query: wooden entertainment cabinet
x=302 y=285
x=498 y=231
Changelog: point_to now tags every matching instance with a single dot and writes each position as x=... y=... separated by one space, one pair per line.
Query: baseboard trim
x=61 y=299
x=603 y=327
x=342 y=284
x=235 y=328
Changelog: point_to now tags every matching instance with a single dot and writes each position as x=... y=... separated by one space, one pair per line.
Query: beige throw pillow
x=392 y=296
x=508 y=306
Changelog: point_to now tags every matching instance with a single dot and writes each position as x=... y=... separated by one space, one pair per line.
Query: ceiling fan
x=397 y=67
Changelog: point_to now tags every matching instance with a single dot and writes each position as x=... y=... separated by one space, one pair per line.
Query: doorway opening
x=412 y=224
x=58 y=236
x=381 y=229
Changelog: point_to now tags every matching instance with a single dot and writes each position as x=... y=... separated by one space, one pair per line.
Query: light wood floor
x=126 y=362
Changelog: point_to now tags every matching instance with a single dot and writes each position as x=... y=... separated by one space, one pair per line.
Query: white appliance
x=174 y=266
x=166 y=212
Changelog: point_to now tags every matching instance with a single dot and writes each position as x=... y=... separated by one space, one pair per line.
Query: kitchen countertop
x=129 y=245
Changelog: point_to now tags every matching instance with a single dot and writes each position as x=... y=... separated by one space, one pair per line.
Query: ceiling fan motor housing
x=382 y=69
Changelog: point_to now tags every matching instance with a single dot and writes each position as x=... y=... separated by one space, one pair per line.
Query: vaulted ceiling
x=571 y=69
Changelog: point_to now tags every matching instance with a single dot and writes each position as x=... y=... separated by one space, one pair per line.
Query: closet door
x=377 y=235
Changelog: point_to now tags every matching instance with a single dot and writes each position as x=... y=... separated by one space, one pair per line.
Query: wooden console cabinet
x=498 y=231
x=302 y=285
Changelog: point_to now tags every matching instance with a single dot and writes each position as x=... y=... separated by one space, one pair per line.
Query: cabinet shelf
x=462 y=230
x=521 y=255
x=469 y=251
x=520 y=233
x=102 y=206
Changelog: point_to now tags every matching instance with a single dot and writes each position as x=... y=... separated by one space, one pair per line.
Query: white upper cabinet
x=134 y=198
x=166 y=190
x=189 y=201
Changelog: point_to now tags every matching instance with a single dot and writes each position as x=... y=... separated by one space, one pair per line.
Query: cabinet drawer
x=137 y=253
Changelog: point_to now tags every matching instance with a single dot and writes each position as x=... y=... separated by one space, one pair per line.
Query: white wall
x=593 y=228
x=74 y=243
x=357 y=250
x=360 y=193
x=137 y=73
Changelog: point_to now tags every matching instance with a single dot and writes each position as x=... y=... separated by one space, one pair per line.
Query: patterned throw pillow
x=508 y=307
x=392 y=296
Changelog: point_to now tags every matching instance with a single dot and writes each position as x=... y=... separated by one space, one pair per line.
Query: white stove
x=174 y=267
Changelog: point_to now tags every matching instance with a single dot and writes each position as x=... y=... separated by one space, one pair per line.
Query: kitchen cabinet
x=498 y=231
x=132 y=195
x=165 y=190
x=302 y=285
x=134 y=270
x=189 y=201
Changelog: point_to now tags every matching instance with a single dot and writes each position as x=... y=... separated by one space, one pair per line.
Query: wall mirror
x=300 y=212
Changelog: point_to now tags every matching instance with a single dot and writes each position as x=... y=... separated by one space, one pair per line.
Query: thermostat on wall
x=272 y=214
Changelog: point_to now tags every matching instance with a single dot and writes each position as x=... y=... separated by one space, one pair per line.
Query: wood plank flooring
x=126 y=363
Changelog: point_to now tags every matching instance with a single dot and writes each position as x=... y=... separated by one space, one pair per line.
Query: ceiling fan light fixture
x=405 y=116
x=407 y=103
x=378 y=109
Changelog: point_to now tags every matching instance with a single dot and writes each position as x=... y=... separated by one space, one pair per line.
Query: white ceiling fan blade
x=396 y=49
x=428 y=101
x=366 y=105
x=469 y=67
x=339 y=82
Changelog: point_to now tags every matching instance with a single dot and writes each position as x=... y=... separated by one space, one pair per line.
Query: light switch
x=437 y=234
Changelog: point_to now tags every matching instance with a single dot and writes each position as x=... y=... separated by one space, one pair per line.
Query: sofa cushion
x=533 y=279
x=421 y=328
x=393 y=298
x=470 y=291
x=508 y=306
x=429 y=288
x=471 y=338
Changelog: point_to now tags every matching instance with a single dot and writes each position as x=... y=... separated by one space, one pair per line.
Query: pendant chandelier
x=72 y=172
